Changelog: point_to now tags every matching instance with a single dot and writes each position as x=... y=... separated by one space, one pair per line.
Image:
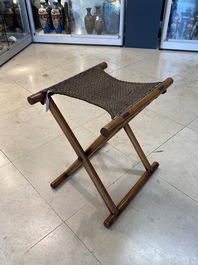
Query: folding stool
x=123 y=101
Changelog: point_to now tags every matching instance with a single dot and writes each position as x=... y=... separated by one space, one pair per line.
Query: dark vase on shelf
x=89 y=21
x=67 y=19
x=9 y=15
x=44 y=17
x=56 y=18
x=35 y=15
x=2 y=25
x=99 y=24
x=60 y=6
x=71 y=15
x=112 y=16
x=1 y=46
x=18 y=17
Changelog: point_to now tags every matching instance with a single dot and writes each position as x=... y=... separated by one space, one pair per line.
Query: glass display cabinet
x=180 y=29
x=77 y=21
x=14 y=28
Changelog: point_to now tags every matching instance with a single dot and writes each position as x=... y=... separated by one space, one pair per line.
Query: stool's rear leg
x=97 y=144
x=137 y=147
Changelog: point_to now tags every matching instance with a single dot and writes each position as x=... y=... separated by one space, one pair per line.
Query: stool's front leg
x=82 y=156
x=130 y=195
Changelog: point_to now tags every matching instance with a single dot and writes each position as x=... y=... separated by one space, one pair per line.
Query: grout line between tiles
x=91 y=252
x=37 y=192
x=39 y=241
x=179 y=190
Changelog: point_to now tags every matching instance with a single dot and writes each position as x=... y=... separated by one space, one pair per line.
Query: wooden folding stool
x=123 y=101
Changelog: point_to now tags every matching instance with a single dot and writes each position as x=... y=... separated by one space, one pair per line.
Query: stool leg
x=130 y=195
x=137 y=147
x=82 y=156
x=97 y=144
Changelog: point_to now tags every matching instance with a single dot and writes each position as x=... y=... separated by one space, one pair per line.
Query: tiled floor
x=39 y=225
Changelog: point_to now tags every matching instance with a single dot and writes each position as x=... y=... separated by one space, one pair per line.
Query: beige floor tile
x=159 y=218
x=158 y=67
x=78 y=111
x=76 y=66
x=25 y=217
x=180 y=57
x=124 y=57
x=188 y=79
x=178 y=104
x=129 y=75
x=178 y=158
x=194 y=125
x=60 y=247
x=21 y=67
x=25 y=129
x=42 y=80
x=12 y=97
x=41 y=166
x=3 y=159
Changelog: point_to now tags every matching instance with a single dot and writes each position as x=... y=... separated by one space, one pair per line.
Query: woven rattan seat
x=123 y=101
x=97 y=87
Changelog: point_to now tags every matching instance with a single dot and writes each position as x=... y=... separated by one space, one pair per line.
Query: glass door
x=14 y=28
x=180 y=29
x=77 y=21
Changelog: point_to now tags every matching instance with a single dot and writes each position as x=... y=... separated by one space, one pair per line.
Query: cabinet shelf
x=79 y=34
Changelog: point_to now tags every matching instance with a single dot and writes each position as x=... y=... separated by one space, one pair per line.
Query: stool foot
x=59 y=180
x=130 y=195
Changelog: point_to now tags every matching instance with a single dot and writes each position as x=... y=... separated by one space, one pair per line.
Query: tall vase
x=9 y=15
x=112 y=16
x=60 y=6
x=71 y=15
x=18 y=17
x=56 y=18
x=49 y=9
x=89 y=21
x=99 y=21
x=67 y=19
x=44 y=17
x=35 y=15
x=2 y=25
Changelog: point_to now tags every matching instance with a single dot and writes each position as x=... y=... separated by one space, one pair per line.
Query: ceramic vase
x=60 y=6
x=71 y=15
x=18 y=17
x=35 y=15
x=112 y=16
x=67 y=19
x=9 y=15
x=44 y=17
x=56 y=18
x=1 y=46
x=2 y=25
x=99 y=21
x=89 y=21
x=49 y=9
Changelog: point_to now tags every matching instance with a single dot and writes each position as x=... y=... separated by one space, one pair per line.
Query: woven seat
x=99 y=88
x=123 y=101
